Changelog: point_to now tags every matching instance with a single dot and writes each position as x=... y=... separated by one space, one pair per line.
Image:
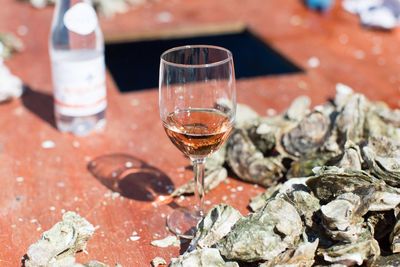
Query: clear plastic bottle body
x=76 y=48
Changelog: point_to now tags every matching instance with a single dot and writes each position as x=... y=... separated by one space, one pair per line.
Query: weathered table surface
x=38 y=184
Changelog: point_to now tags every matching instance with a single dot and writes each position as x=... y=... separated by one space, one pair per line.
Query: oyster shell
x=217 y=159
x=9 y=43
x=342 y=217
x=295 y=192
x=214 y=174
x=246 y=117
x=249 y=163
x=377 y=125
x=383 y=158
x=206 y=257
x=263 y=137
x=263 y=235
x=157 y=261
x=351 y=158
x=63 y=240
x=351 y=119
x=332 y=181
x=168 y=241
x=212 y=178
x=343 y=93
x=303 y=166
x=299 y=108
x=395 y=238
x=301 y=256
x=365 y=248
x=389 y=116
x=259 y=201
x=387 y=261
x=305 y=204
x=215 y=225
x=308 y=136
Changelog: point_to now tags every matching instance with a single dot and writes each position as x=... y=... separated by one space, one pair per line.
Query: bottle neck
x=66 y=4
x=70 y=31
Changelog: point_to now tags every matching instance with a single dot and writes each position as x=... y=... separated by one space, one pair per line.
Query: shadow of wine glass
x=131 y=177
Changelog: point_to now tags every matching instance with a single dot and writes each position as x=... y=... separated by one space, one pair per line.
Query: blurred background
x=324 y=38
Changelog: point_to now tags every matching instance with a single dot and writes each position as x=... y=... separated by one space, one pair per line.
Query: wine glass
x=197 y=99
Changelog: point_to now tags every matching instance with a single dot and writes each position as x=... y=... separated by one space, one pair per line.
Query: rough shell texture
x=395 y=238
x=215 y=225
x=263 y=235
x=342 y=217
x=63 y=240
x=383 y=158
x=363 y=249
x=249 y=163
x=332 y=176
x=301 y=256
x=350 y=121
x=308 y=136
x=206 y=257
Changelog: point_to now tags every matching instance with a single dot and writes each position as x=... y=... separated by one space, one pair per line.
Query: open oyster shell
x=308 y=136
x=249 y=163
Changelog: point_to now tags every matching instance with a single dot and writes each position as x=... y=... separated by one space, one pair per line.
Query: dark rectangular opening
x=135 y=65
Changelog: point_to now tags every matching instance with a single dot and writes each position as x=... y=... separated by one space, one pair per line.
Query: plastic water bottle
x=76 y=49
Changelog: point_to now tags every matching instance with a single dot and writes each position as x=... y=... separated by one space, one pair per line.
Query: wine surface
x=198 y=132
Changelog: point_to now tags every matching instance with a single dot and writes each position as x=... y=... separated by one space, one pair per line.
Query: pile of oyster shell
x=332 y=175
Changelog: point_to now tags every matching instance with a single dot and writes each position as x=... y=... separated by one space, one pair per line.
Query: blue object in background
x=320 y=5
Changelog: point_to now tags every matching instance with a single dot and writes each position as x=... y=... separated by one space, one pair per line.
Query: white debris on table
x=134 y=236
x=313 y=62
x=384 y=14
x=10 y=85
x=48 y=144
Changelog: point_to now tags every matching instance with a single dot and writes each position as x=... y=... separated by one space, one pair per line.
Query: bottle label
x=79 y=86
x=81 y=18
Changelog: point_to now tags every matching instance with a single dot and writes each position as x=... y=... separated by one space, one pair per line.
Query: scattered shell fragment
x=166 y=242
x=10 y=85
x=158 y=261
x=64 y=239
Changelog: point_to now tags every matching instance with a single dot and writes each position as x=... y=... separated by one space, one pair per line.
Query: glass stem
x=199 y=169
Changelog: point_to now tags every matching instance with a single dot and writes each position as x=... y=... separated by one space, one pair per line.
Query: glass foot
x=183 y=222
